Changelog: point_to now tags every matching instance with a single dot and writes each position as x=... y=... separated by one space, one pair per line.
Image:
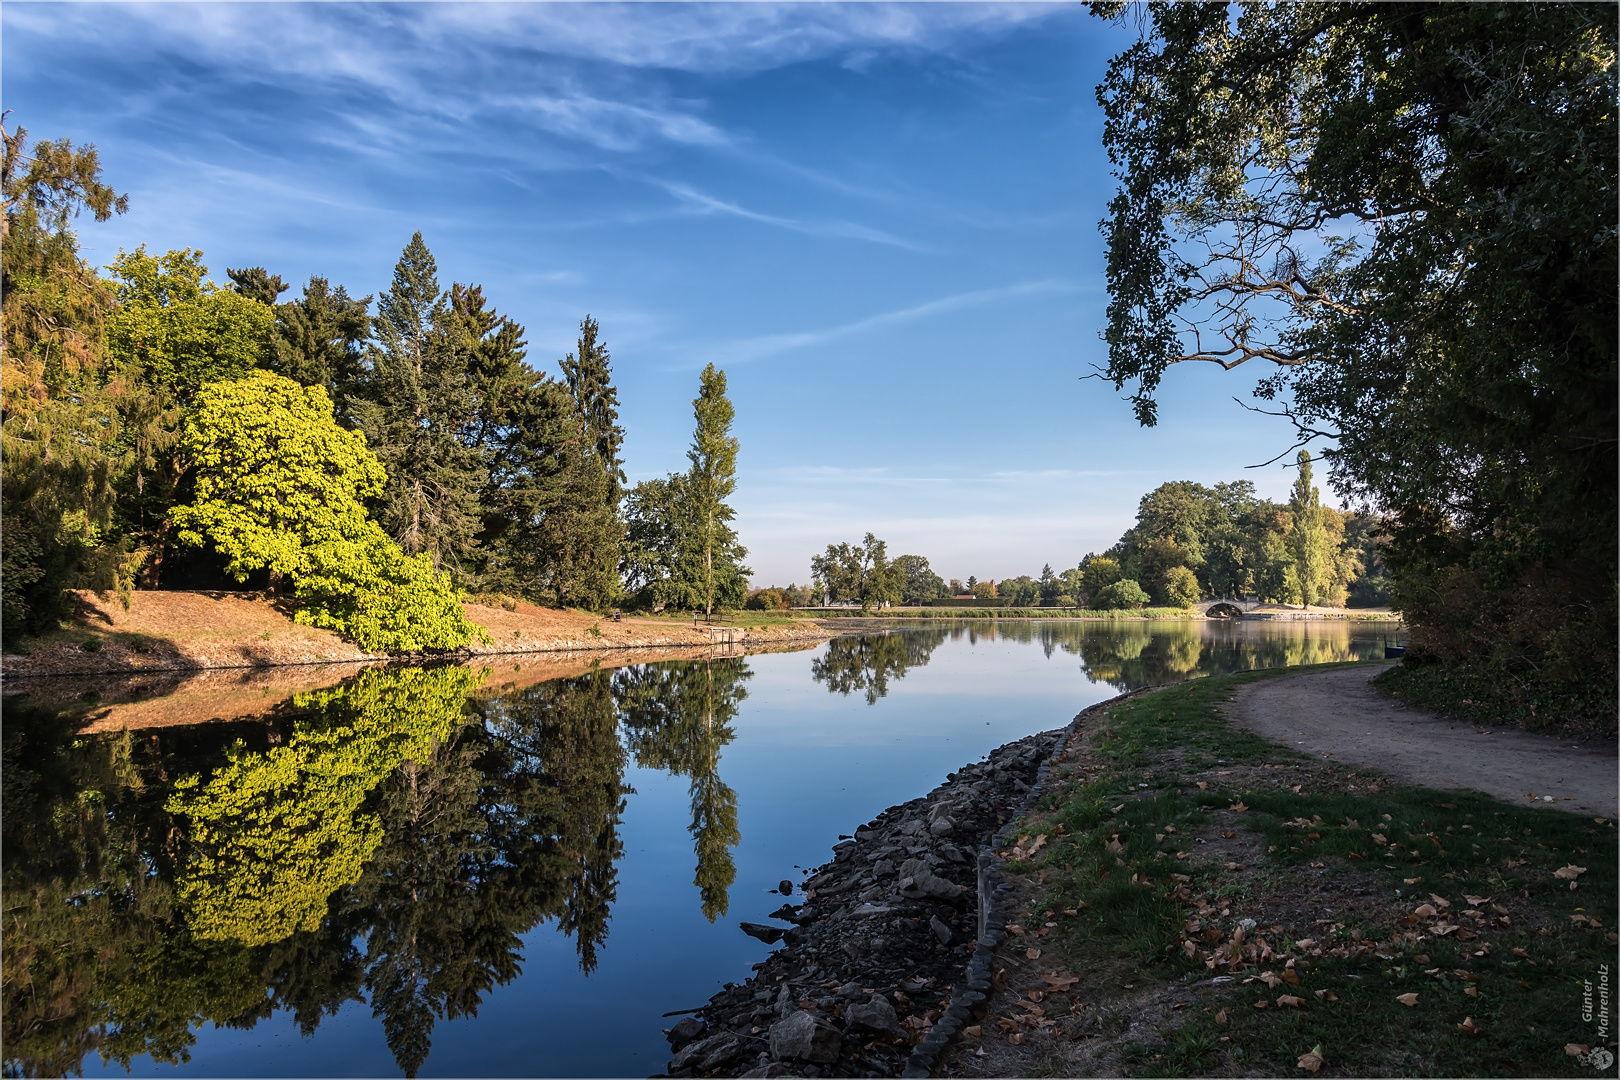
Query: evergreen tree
x=1307 y=538
x=320 y=340
x=416 y=405
x=590 y=380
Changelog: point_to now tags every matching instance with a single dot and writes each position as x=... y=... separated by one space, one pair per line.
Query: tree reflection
x=867 y=663
x=677 y=716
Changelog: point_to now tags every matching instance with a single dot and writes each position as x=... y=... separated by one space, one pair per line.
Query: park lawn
x=1166 y=829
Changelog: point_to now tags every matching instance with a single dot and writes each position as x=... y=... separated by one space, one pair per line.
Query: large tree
x=416 y=404
x=1409 y=211
x=860 y=572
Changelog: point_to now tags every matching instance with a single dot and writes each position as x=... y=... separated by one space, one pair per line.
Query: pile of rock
x=887 y=928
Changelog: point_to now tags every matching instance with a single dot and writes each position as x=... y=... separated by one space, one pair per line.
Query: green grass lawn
x=1173 y=828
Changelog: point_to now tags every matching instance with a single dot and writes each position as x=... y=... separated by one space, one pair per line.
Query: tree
x=860 y=572
x=1120 y=595
x=279 y=485
x=589 y=375
x=710 y=481
x=1409 y=212
x=416 y=404
x=918 y=582
x=1307 y=538
x=320 y=340
x=1097 y=573
x=1020 y=591
x=1180 y=587
x=179 y=330
x=62 y=429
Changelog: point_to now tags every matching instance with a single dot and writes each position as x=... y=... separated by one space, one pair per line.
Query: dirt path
x=1341 y=716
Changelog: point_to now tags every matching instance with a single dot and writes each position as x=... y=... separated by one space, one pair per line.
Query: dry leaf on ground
x=1311 y=1061
x=1289 y=1001
x=1406 y=999
x=1570 y=872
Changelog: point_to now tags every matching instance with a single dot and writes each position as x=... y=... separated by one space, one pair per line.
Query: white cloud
x=756 y=348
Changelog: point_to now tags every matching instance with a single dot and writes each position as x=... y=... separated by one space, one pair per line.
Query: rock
x=707 y=1054
x=686 y=1030
x=770 y=935
x=910 y=827
x=786 y=913
x=941 y=931
x=770 y=1068
x=942 y=827
x=926 y=883
x=785 y=887
x=850 y=990
x=876 y=1015
x=873 y=909
x=802 y=1037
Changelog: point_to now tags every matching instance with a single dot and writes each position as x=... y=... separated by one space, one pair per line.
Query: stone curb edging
x=992 y=916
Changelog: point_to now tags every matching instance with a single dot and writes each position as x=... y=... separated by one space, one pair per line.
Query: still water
x=457 y=871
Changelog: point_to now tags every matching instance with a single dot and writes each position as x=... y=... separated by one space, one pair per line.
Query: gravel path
x=1340 y=715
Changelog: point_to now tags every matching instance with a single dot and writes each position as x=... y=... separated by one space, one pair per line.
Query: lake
x=462 y=871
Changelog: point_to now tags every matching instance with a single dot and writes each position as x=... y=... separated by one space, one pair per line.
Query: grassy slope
x=1335 y=906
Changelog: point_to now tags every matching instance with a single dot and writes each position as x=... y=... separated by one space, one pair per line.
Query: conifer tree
x=590 y=379
x=320 y=339
x=416 y=405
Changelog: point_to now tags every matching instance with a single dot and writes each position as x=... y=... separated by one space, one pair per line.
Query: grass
x=1171 y=828
x=1487 y=697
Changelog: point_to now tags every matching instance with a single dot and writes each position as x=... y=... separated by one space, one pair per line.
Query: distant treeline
x=1190 y=542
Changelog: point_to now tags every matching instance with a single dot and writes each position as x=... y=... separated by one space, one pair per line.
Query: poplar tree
x=716 y=569
x=589 y=375
x=1307 y=537
x=416 y=405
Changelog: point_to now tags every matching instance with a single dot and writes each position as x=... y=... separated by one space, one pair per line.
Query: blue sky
x=881 y=221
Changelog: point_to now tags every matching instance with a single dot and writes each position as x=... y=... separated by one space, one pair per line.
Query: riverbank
x=198 y=631
x=1183 y=898
x=1211 y=903
x=1269 y=612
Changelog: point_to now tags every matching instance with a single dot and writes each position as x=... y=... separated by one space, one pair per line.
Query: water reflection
x=389 y=841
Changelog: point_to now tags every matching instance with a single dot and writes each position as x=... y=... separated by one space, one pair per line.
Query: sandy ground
x=1339 y=715
x=188 y=631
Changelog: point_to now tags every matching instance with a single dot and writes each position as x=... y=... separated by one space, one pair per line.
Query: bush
x=1180 y=587
x=772 y=599
x=1121 y=595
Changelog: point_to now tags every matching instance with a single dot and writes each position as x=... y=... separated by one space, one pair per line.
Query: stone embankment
x=880 y=949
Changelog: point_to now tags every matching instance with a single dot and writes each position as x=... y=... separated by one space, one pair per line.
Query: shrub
x=1180 y=587
x=1121 y=595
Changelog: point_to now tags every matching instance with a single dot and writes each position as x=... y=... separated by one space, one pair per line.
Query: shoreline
x=886 y=952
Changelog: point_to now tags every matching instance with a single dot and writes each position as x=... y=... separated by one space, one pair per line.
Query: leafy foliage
x=279 y=486
x=860 y=572
x=1409 y=210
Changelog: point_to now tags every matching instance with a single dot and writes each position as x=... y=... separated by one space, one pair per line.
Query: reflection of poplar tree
x=678 y=716
x=867 y=663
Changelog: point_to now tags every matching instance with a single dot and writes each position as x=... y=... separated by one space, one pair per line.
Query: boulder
x=686 y=1030
x=708 y=1054
x=940 y=929
x=770 y=935
x=926 y=883
x=874 y=1015
x=800 y=1036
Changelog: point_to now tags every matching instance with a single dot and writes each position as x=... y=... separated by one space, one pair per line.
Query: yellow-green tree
x=279 y=486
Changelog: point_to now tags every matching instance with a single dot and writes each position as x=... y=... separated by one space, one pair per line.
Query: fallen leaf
x=1117 y=809
x=1016 y=1038
x=973 y=1032
x=1439 y=901
x=1305 y=943
x=1290 y=976
x=1425 y=911
x=1036 y=995
x=1380 y=838
x=1015 y=930
x=1471 y=991
x=1238 y=806
x=1006 y=1023
x=1476 y=901
x=1577 y=1049
x=1261 y=1004
x=1516 y=951
x=1114 y=845
x=1289 y=1001
x=1570 y=872
x=1411 y=880
x=1312 y=1061
x=1235 y=866
x=1270 y=979
x=1469 y=1026
x=1033 y=954
x=1040 y=841
x=1203 y=785
x=1228 y=835
x=1406 y=999
x=1060 y=982
x=1327 y=995
x=1220 y=1018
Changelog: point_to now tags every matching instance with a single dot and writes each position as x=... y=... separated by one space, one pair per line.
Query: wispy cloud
x=757 y=348
x=842 y=229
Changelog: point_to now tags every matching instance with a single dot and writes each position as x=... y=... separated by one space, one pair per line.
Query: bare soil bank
x=181 y=631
